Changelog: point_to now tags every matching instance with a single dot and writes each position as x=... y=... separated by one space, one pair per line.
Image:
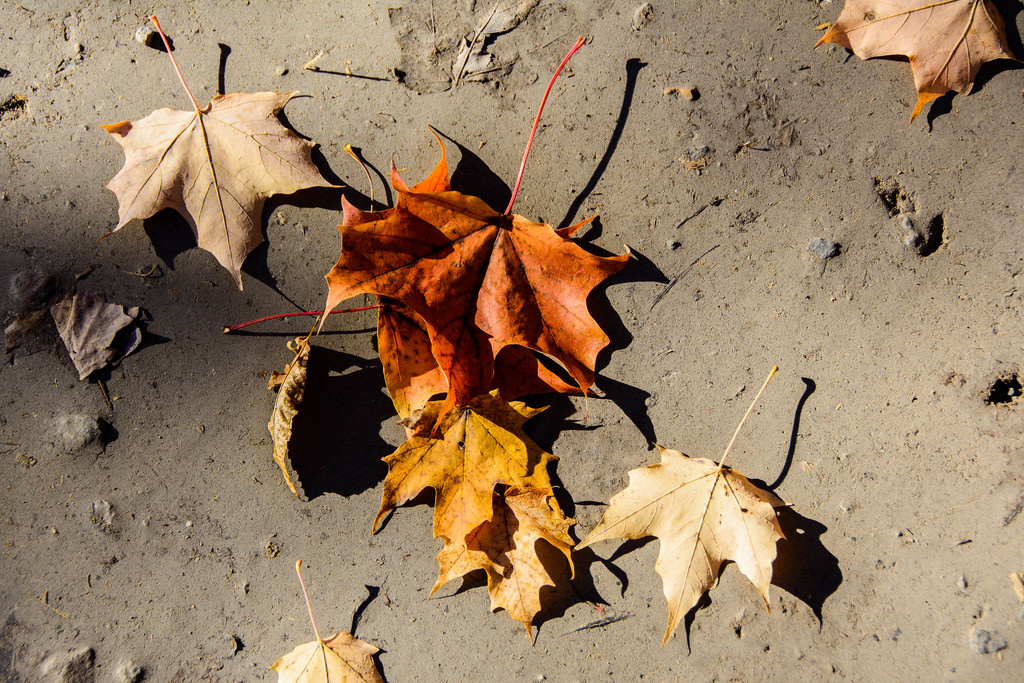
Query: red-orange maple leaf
x=479 y=280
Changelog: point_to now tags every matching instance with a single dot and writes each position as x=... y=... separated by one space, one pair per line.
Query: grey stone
x=129 y=672
x=673 y=244
x=79 y=432
x=823 y=249
x=699 y=152
x=986 y=642
x=75 y=666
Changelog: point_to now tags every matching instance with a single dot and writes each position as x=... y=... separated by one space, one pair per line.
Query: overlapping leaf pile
x=470 y=299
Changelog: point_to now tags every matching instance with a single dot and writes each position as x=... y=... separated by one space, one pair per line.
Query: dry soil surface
x=165 y=538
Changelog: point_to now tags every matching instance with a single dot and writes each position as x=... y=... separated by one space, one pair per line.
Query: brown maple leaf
x=946 y=42
x=479 y=281
x=506 y=549
x=290 y=385
x=704 y=515
x=476 y=447
x=215 y=166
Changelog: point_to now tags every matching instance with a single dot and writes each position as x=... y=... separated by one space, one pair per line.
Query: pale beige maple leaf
x=341 y=658
x=216 y=167
x=704 y=515
x=946 y=41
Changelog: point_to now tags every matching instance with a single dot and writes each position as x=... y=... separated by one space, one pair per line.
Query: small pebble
x=823 y=249
x=188 y=523
x=128 y=672
x=146 y=35
x=643 y=16
x=913 y=239
x=961 y=583
x=71 y=667
x=690 y=93
x=79 y=432
x=101 y=514
x=673 y=244
x=986 y=642
x=79 y=48
x=281 y=70
x=234 y=644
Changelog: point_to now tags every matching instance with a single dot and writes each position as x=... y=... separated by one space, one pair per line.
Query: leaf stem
x=298 y=570
x=228 y=329
x=174 y=61
x=536 y=122
x=771 y=374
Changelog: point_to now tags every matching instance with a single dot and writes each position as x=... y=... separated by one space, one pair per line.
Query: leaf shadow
x=809 y=388
x=473 y=176
x=633 y=67
x=170 y=235
x=804 y=567
x=341 y=389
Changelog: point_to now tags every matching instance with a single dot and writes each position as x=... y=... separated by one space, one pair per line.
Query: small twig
x=154 y=271
x=600 y=623
x=673 y=281
x=310 y=64
x=692 y=216
x=227 y=329
x=45 y=599
x=106 y=396
x=472 y=44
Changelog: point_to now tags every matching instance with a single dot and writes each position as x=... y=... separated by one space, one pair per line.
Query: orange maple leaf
x=479 y=281
x=506 y=549
x=946 y=41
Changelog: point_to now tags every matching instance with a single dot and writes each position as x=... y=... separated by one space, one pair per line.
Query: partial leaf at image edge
x=946 y=41
x=341 y=658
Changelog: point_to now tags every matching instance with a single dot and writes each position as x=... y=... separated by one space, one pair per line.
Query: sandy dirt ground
x=167 y=541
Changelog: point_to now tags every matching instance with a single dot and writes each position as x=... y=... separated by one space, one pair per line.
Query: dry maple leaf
x=215 y=166
x=479 y=281
x=506 y=548
x=413 y=376
x=704 y=515
x=291 y=387
x=340 y=658
x=946 y=42
x=476 y=447
x=96 y=333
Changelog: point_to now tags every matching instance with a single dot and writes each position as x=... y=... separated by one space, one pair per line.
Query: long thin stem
x=771 y=374
x=309 y=608
x=536 y=122
x=174 y=61
x=228 y=329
